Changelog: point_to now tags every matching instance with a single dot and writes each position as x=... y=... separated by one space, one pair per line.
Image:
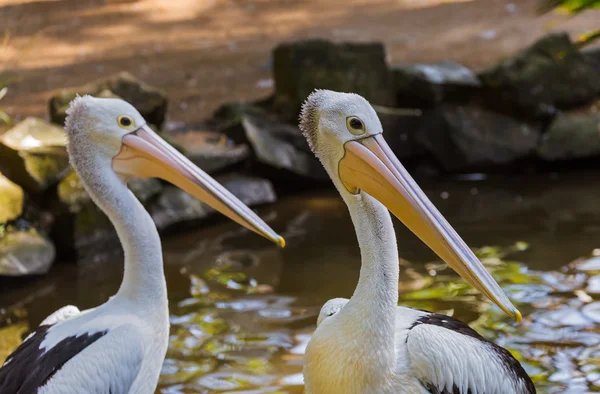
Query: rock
x=151 y=102
x=400 y=132
x=11 y=200
x=81 y=227
x=33 y=154
x=425 y=85
x=303 y=66
x=24 y=249
x=176 y=206
x=282 y=146
x=466 y=137
x=25 y=252
x=571 y=136
x=592 y=56
x=210 y=151
x=552 y=73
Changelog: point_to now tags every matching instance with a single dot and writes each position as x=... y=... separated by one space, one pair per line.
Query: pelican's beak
x=144 y=154
x=370 y=165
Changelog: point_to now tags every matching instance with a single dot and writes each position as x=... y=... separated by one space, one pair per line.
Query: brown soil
x=207 y=52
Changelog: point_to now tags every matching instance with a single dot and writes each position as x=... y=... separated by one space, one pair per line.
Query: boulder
x=592 y=56
x=571 y=136
x=150 y=101
x=550 y=74
x=25 y=252
x=303 y=66
x=11 y=200
x=209 y=150
x=176 y=206
x=282 y=146
x=33 y=154
x=81 y=227
x=425 y=85
x=468 y=137
x=401 y=131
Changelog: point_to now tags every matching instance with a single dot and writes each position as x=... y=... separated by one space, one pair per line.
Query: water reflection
x=242 y=311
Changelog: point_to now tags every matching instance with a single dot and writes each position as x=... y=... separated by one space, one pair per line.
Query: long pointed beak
x=370 y=165
x=144 y=154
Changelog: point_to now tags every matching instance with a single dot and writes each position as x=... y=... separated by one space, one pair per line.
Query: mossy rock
x=149 y=101
x=33 y=154
x=303 y=66
x=427 y=85
x=550 y=74
x=11 y=200
x=25 y=252
x=468 y=138
x=571 y=136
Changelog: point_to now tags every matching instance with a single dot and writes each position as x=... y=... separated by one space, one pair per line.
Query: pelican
x=369 y=344
x=118 y=347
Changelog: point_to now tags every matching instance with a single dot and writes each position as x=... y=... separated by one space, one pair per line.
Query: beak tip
x=518 y=316
x=281 y=242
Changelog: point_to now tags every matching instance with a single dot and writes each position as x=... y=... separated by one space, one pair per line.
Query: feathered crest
x=309 y=117
x=78 y=110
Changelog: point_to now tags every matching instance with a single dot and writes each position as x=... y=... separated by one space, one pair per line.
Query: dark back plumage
x=29 y=367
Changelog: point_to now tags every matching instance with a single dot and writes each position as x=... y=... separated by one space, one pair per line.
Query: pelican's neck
x=143 y=280
x=372 y=308
x=378 y=282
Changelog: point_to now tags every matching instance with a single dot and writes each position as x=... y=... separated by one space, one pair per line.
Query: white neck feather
x=372 y=308
x=354 y=350
x=143 y=280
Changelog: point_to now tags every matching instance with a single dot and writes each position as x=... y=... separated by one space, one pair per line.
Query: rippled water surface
x=242 y=310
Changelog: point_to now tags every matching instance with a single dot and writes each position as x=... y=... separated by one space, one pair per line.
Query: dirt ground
x=207 y=52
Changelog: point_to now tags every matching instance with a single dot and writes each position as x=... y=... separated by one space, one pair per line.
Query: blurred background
x=492 y=105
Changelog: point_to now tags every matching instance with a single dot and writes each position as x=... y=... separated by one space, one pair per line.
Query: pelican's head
x=329 y=120
x=345 y=133
x=330 y=308
x=110 y=135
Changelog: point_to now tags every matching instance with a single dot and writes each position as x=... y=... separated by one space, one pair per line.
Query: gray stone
x=430 y=84
x=25 y=252
x=303 y=66
x=282 y=146
x=571 y=136
x=552 y=73
x=149 y=101
x=176 y=206
x=210 y=151
x=592 y=56
x=11 y=200
x=468 y=137
x=33 y=154
x=400 y=132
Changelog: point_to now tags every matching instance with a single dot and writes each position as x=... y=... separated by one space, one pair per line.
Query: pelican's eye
x=126 y=122
x=355 y=125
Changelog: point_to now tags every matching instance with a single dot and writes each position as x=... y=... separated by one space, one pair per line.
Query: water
x=243 y=310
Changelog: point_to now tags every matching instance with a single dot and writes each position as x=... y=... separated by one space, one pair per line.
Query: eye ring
x=126 y=122
x=355 y=125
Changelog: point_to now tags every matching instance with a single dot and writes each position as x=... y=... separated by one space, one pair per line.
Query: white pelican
x=369 y=344
x=118 y=347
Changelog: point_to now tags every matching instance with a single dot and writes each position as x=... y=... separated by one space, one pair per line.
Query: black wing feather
x=447 y=322
x=434 y=390
x=28 y=368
